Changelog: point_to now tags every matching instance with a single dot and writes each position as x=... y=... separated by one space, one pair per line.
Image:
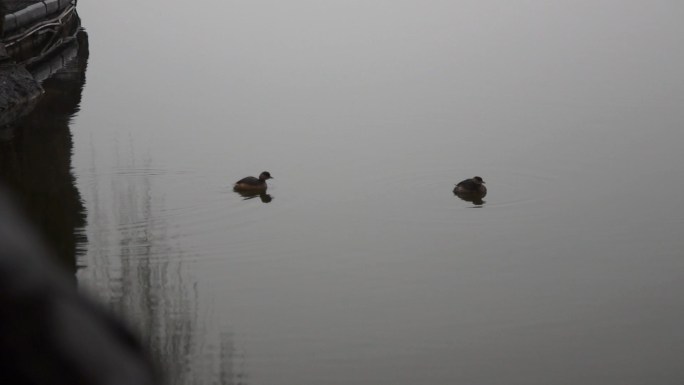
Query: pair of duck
x=472 y=186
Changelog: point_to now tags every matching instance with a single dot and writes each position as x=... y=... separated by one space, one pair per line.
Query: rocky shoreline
x=27 y=28
x=18 y=88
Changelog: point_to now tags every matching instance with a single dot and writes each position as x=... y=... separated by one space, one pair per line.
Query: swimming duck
x=251 y=183
x=475 y=185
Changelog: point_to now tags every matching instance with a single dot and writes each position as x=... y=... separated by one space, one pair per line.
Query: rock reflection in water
x=35 y=155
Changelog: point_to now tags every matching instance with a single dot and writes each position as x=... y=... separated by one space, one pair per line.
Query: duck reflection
x=475 y=198
x=266 y=198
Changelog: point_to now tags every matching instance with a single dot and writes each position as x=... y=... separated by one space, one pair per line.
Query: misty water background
x=364 y=268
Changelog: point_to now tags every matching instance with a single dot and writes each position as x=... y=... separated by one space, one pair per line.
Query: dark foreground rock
x=49 y=333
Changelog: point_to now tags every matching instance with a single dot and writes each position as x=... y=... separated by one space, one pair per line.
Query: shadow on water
x=36 y=149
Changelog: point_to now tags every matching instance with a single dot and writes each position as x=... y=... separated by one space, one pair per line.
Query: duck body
x=473 y=185
x=251 y=183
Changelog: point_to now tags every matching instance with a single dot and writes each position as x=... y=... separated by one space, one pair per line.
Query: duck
x=251 y=183
x=472 y=186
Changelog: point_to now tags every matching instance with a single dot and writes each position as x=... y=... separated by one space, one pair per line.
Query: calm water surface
x=364 y=268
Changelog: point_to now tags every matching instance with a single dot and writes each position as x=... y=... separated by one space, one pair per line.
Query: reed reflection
x=36 y=149
x=137 y=270
x=231 y=362
x=140 y=267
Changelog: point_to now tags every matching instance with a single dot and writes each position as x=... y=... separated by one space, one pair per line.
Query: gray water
x=364 y=268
